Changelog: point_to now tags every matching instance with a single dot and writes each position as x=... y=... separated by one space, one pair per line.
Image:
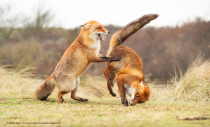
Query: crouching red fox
x=129 y=70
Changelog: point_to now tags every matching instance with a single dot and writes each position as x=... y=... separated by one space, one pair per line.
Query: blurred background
x=34 y=34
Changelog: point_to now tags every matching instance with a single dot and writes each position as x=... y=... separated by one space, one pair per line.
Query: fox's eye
x=137 y=95
x=99 y=27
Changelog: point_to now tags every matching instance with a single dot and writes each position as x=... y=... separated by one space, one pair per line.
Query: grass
x=195 y=83
x=18 y=103
x=101 y=112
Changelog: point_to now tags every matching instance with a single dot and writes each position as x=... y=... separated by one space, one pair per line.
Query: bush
x=43 y=56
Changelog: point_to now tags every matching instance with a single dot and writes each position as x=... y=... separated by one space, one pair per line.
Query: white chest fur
x=97 y=46
x=129 y=90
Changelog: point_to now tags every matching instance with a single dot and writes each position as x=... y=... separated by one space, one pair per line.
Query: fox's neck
x=86 y=40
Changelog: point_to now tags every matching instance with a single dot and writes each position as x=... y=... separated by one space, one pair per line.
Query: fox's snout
x=131 y=104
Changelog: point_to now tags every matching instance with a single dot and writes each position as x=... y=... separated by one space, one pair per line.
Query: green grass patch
x=107 y=111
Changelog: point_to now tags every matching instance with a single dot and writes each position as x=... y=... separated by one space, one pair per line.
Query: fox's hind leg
x=122 y=90
x=65 y=85
x=60 y=96
x=110 y=76
x=73 y=93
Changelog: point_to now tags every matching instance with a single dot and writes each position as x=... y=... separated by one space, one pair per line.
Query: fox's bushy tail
x=45 y=89
x=121 y=35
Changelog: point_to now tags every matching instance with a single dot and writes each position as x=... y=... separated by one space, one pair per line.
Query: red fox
x=129 y=70
x=84 y=50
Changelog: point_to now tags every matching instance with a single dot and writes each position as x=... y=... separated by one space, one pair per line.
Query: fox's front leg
x=100 y=55
x=122 y=91
x=101 y=58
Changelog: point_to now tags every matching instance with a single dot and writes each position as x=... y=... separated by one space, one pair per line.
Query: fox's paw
x=83 y=99
x=113 y=94
x=115 y=58
x=61 y=100
x=126 y=103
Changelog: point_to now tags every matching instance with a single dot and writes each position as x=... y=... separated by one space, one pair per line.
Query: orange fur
x=129 y=70
x=84 y=50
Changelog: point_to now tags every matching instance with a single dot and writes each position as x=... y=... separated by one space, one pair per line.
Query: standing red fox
x=84 y=50
x=129 y=70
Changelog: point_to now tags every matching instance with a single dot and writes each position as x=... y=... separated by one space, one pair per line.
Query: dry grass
x=94 y=87
x=195 y=83
x=18 y=103
x=18 y=82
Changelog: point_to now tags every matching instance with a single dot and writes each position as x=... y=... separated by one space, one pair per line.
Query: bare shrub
x=34 y=54
x=7 y=23
x=23 y=54
x=40 y=21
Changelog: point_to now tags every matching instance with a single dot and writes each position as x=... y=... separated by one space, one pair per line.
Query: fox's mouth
x=129 y=102
x=99 y=36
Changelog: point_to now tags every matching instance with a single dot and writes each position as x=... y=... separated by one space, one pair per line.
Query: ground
x=105 y=111
x=18 y=106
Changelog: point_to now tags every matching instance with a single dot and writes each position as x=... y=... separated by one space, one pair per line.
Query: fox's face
x=140 y=93
x=95 y=30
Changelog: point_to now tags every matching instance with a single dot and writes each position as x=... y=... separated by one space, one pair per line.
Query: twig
x=193 y=118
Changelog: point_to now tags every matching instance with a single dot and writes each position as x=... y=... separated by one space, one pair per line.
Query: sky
x=73 y=13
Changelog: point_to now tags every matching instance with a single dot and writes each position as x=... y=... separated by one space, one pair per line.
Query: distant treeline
x=163 y=50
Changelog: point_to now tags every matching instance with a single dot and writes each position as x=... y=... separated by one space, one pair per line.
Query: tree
x=7 y=23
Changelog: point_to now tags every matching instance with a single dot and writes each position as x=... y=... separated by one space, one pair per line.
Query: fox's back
x=130 y=58
x=73 y=62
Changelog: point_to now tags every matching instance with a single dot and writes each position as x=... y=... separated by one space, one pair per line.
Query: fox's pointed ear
x=141 y=84
x=86 y=26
